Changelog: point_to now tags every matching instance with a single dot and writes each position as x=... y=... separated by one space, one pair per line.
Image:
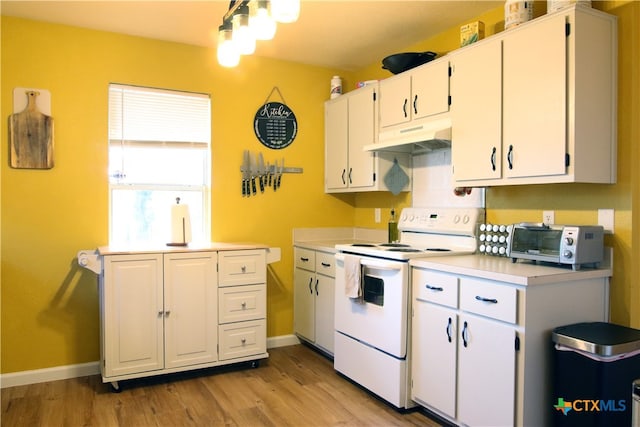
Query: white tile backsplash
x=432 y=183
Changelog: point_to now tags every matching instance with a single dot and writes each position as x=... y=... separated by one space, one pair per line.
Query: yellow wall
x=49 y=306
x=573 y=203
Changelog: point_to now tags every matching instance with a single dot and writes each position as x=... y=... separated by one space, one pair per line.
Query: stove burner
x=363 y=245
x=404 y=250
x=394 y=245
x=437 y=250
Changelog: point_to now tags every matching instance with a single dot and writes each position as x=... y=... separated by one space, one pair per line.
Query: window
x=159 y=149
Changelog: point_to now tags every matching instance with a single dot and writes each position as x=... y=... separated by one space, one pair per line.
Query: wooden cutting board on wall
x=31 y=136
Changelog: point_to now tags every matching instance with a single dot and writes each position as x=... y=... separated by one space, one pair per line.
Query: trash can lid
x=601 y=338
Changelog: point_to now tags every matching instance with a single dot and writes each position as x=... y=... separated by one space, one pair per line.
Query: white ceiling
x=347 y=35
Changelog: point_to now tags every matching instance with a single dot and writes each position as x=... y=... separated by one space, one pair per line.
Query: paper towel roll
x=180 y=224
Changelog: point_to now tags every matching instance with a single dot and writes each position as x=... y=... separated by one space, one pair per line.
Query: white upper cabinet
x=415 y=94
x=557 y=114
x=351 y=123
x=476 y=110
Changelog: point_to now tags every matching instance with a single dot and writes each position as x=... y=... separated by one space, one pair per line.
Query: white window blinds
x=156 y=115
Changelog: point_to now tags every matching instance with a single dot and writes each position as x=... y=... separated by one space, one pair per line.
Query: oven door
x=380 y=318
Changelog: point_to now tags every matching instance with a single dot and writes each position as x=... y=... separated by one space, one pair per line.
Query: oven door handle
x=377 y=264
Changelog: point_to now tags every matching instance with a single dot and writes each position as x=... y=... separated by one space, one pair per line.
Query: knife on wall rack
x=267 y=174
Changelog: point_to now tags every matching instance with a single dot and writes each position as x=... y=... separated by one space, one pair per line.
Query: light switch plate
x=606 y=219
x=376 y=214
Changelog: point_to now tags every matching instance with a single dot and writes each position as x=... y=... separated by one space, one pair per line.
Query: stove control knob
x=466 y=219
x=404 y=217
x=568 y=240
x=456 y=219
x=567 y=254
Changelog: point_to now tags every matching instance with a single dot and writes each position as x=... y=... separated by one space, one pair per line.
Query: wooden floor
x=296 y=386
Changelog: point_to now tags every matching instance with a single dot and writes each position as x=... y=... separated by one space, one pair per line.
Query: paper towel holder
x=184 y=231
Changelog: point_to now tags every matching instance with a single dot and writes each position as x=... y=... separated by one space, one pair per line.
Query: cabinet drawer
x=305 y=258
x=243 y=339
x=242 y=267
x=326 y=264
x=435 y=287
x=239 y=303
x=488 y=299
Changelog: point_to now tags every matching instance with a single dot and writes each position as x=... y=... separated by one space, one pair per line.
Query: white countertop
x=191 y=247
x=503 y=269
x=326 y=239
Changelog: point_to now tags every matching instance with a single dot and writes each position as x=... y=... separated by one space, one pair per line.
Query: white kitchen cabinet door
x=362 y=131
x=535 y=99
x=395 y=95
x=434 y=346
x=486 y=372
x=324 y=319
x=304 y=303
x=336 y=128
x=430 y=89
x=476 y=111
x=190 y=308
x=133 y=314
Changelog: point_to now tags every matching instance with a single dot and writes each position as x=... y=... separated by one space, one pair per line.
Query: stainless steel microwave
x=573 y=245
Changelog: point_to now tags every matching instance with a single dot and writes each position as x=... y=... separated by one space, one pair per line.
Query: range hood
x=415 y=137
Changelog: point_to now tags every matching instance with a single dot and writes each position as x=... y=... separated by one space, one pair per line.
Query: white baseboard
x=282 y=341
x=93 y=368
x=49 y=374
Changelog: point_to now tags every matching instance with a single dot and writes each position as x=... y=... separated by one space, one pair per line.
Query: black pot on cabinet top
x=400 y=62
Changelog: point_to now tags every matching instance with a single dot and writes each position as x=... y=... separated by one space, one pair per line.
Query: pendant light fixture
x=249 y=20
x=285 y=11
x=243 y=37
x=228 y=54
x=261 y=22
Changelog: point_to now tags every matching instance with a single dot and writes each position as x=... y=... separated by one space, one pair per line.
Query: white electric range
x=372 y=329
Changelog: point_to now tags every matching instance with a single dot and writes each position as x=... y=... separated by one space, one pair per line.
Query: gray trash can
x=594 y=365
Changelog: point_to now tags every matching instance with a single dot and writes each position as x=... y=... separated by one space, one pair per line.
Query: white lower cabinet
x=159 y=312
x=470 y=361
x=314 y=282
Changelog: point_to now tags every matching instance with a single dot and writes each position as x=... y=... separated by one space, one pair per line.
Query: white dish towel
x=352 y=276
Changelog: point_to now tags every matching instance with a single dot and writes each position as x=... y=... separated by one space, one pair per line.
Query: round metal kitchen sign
x=275 y=125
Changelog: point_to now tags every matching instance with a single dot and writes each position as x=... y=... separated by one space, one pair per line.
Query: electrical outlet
x=376 y=214
x=606 y=219
x=548 y=217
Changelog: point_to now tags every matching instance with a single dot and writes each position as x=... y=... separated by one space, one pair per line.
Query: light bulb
x=228 y=55
x=260 y=21
x=285 y=11
x=242 y=35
